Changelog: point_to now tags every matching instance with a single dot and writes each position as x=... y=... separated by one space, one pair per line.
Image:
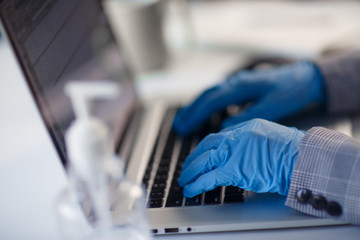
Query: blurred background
x=299 y=28
x=200 y=36
x=201 y=41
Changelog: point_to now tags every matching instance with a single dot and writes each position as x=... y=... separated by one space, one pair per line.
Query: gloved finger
x=201 y=165
x=207 y=182
x=191 y=117
x=211 y=141
x=270 y=107
x=241 y=91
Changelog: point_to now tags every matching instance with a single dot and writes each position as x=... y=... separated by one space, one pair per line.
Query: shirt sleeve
x=342 y=80
x=326 y=177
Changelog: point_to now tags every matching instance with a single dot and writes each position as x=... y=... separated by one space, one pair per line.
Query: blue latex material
x=257 y=155
x=275 y=93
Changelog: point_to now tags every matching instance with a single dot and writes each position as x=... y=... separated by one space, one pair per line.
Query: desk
x=31 y=175
x=30 y=172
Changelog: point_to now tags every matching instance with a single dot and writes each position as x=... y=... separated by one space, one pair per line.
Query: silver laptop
x=56 y=41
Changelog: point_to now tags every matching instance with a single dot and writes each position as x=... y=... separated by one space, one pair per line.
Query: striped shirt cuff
x=325 y=166
x=314 y=169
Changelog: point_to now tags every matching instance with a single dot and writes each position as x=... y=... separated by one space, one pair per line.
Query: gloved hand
x=256 y=155
x=277 y=92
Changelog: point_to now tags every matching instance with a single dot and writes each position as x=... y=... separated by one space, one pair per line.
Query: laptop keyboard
x=165 y=164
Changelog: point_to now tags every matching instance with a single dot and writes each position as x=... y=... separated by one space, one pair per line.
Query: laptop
x=57 y=41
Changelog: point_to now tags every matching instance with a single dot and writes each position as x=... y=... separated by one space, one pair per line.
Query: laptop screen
x=57 y=41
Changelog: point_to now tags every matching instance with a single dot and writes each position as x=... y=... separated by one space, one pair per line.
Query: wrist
x=294 y=152
x=319 y=85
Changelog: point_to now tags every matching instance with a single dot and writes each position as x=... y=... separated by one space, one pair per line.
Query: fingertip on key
x=180 y=182
x=180 y=128
x=189 y=193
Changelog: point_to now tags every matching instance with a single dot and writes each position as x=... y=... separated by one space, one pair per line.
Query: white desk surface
x=31 y=174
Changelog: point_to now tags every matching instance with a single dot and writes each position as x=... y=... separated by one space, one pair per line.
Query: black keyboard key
x=174 y=200
x=156 y=203
x=146 y=177
x=233 y=194
x=179 y=166
x=211 y=199
x=162 y=172
x=172 y=136
x=233 y=198
x=147 y=173
x=213 y=196
x=164 y=168
x=186 y=146
x=175 y=197
x=177 y=173
x=174 y=182
x=167 y=155
x=156 y=195
x=232 y=189
x=148 y=169
x=159 y=185
x=165 y=161
x=193 y=201
x=175 y=189
x=215 y=191
x=169 y=146
x=160 y=181
x=164 y=164
x=152 y=157
x=161 y=178
x=157 y=189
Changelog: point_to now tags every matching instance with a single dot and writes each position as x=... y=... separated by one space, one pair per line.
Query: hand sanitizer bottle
x=100 y=202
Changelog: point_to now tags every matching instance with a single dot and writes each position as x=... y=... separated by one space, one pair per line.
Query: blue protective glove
x=256 y=155
x=277 y=92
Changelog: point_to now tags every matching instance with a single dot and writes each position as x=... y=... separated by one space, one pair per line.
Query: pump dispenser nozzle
x=82 y=94
x=88 y=139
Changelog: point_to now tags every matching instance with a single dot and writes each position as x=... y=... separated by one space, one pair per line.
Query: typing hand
x=256 y=155
x=276 y=93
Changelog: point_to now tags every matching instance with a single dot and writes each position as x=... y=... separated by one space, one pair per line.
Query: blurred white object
x=178 y=29
x=150 y=31
x=138 y=27
x=97 y=182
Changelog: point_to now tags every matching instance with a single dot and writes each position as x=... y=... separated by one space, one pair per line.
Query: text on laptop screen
x=57 y=41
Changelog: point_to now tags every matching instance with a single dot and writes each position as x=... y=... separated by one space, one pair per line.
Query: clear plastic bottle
x=100 y=202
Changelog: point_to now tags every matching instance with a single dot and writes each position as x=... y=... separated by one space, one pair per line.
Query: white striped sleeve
x=328 y=164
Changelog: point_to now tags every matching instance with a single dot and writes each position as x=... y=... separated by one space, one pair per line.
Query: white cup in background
x=146 y=30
